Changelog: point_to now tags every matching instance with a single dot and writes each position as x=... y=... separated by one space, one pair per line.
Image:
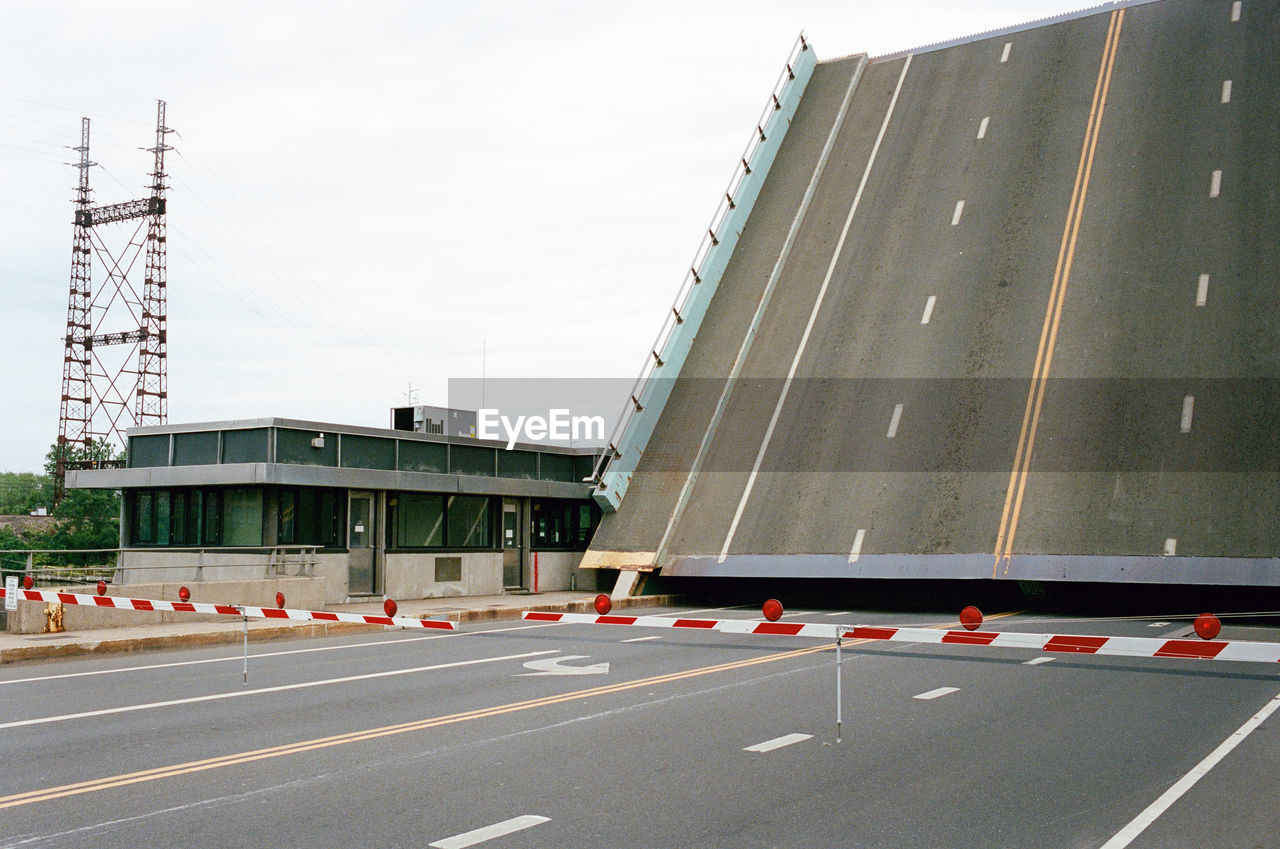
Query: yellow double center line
x=1053 y=313
x=51 y=793
x=65 y=790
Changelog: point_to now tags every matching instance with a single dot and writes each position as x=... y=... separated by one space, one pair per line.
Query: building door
x=362 y=544
x=512 y=546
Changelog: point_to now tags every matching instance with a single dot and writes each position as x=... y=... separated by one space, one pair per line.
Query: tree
x=25 y=492
x=87 y=518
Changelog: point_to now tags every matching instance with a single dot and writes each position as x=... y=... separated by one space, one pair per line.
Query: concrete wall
x=413 y=575
x=406 y=575
x=159 y=565
x=560 y=570
x=299 y=593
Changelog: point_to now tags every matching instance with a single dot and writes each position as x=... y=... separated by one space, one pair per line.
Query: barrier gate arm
x=244 y=610
x=1238 y=650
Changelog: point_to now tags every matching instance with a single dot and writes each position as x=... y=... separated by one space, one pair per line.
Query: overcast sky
x=367 y=195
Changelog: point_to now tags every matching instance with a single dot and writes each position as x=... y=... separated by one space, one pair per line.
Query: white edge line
x=489 y=832
x=766 y=296
x=393 y=641
x=281 y=688
x=813 y=316
x=1139 y=824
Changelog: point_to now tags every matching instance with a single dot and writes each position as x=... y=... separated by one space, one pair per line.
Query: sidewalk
x=463 y=610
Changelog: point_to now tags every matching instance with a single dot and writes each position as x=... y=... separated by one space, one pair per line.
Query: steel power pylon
x=115 y=369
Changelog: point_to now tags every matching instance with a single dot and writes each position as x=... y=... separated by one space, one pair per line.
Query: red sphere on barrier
x=27 y=582
x=390 y=607
x=102 y=587
x=603 y=604
x=971 y=618
x=1207 y=626
x=279 y=599
x=772 y=610
x=184 y=593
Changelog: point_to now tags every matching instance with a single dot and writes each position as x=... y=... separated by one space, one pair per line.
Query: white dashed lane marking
x=1215 y=184
x=893 y=422
x=928 y=309
x=1202 y=290
x=856 y=551
x=778 y=742
x=1004 y=57
x=955 y=216
x=1188 y=407
x=1226 y=91
x=1037 y=661
x=489 y=832
x=934 y=694
x=982 y=128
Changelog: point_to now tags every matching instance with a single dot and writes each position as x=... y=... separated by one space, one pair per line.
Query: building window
x=211 y=525
x=563 y=524
x=144 y=518
x=420 y=521
x=468 y=517
x=310 y=516
x=433 y=520
x=181 y=518
x=178 y=510
x=242 y=517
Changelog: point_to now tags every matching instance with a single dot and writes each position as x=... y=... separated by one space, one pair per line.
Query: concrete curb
x=88 y=645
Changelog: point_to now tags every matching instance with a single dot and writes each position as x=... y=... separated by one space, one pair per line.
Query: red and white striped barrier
x=1256 y=652
x=153 y=605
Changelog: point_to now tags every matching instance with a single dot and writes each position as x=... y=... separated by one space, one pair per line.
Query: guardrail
x=694 y=276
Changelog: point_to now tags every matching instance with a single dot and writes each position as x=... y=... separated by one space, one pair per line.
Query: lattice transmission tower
x=114 y=373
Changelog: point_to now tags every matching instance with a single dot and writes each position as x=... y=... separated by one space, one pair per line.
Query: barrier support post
x=838 y=687
x=246 y=646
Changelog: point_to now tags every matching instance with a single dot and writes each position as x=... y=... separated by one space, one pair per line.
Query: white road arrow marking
x=554 y=666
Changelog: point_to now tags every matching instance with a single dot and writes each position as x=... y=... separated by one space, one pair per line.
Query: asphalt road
x=1087 y=204
x=401 y=740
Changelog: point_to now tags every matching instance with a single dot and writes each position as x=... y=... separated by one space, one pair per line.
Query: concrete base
x=629 y=584
x=32 y=617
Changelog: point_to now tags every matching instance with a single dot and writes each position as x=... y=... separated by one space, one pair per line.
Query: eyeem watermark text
x=558 y=425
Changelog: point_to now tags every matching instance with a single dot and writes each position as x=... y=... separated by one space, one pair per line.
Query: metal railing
x=274 y=560
x=22 y=561
x=279 y=559
x=693 y=276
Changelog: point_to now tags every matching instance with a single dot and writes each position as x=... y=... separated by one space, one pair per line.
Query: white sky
x=366 y=194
